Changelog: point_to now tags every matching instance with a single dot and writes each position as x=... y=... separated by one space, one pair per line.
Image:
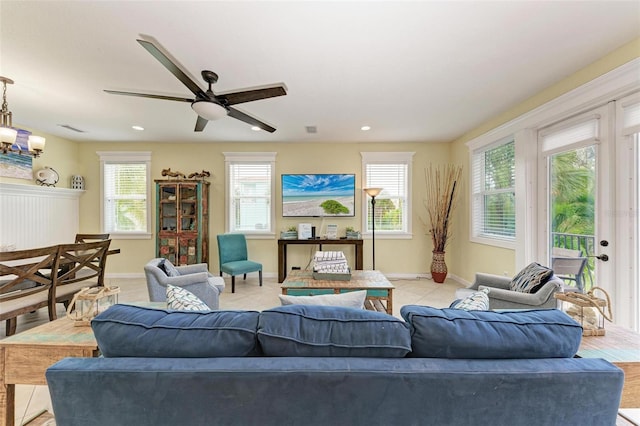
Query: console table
x=282 y=251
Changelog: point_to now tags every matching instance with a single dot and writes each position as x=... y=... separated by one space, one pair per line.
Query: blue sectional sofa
x=319 y=365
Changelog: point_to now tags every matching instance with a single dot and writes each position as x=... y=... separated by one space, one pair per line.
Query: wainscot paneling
x=37 y=216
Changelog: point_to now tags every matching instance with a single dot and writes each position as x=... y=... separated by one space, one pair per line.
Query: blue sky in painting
x=318 y=184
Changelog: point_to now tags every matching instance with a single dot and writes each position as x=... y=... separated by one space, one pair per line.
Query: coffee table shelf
x=379 y=289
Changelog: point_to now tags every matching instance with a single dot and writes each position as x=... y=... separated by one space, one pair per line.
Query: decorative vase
x=438 y=267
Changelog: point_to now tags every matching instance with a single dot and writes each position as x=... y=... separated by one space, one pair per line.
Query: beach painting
x=318 y=195
x=16 y=165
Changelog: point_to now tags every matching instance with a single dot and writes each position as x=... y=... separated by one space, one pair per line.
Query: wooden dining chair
x=79 y=265
x=26 y=284
x=89 y=238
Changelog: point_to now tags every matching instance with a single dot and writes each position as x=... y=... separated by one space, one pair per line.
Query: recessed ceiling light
x=255 y=128
x=140 y=128
x=365 y=128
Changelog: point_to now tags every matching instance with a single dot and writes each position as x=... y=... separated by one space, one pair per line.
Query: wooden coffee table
x=622 y=348
x=24 y=357
x=379 y=289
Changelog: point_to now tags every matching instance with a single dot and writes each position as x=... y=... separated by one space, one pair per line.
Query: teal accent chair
x=232 y=253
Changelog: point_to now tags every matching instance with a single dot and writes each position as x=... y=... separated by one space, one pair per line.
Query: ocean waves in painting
x=16 y=166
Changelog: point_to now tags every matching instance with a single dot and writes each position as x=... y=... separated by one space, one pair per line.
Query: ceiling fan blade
x=173 y=68
x=147 y=95
x=249 y=95
x=250 y=120
x=200 y=124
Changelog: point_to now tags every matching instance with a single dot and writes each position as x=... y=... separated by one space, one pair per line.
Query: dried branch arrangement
x=443 y=185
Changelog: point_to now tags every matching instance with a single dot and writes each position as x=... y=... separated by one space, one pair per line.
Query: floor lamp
x=373 y=193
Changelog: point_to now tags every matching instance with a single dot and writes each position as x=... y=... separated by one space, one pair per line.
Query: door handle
x=603 y=257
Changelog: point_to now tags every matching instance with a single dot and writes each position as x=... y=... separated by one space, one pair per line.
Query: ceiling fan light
x=209 y=110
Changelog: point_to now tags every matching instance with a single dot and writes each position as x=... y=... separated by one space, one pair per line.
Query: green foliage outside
x=130 y=197
x=573 y=185
x=388 y=215
x=499 y=200
x=334 y=207
x=573 y=191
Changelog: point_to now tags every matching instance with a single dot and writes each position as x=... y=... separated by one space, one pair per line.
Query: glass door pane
x=572 y=201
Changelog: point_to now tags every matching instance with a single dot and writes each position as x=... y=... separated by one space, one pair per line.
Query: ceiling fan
x=207 y=104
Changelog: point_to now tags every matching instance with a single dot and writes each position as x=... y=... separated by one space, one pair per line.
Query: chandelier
x=8 y=134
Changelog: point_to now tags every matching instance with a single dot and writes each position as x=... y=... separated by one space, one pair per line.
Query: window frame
x=477 y=178
x=405 y=158
x=232 y=158
x=126 y=157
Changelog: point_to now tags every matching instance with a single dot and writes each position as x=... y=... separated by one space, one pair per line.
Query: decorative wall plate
x=47 y=177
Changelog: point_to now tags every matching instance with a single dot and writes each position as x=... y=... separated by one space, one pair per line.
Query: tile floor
x=32 y=400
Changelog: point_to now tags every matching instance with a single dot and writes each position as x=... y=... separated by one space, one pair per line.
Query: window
x=125 y=200
x=390 y=171
x=249 y=192
x=494 y=200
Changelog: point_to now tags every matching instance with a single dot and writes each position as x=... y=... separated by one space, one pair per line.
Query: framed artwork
x=15 y=165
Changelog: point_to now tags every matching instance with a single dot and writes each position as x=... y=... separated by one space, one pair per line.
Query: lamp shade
x=209 y=110
x=8 y=135
x=36 y=143
x=373 y=192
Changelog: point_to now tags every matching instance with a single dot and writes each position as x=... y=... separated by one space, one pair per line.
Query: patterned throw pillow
x=477 y=301
x=531 y=278
x=168 y=268
x=183 y=300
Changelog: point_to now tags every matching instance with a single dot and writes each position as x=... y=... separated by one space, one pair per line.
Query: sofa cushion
x=134 y=331
x=183 y=300
x=476 y=301
x=333 y=331
x=531 y=278
x=168 y=268
x=454 y=333
x=352 y=299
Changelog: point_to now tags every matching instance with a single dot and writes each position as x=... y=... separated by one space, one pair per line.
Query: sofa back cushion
x=134 y=331
x=455 y=333
x=331 y=331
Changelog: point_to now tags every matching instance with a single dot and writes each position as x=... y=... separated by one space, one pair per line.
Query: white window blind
x=125 y=193
x=390 y=171
x=250 y=193
x=557 y=138
x=631 y=118
x=493 y=175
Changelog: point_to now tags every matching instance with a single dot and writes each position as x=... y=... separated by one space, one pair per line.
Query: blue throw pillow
x=455 y=333
x=134 y=331
x=168 y=268
x=331 y=331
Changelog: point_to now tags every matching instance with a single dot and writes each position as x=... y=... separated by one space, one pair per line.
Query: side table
x=24 y=357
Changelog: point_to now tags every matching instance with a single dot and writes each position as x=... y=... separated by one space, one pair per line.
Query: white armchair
x=194 y=278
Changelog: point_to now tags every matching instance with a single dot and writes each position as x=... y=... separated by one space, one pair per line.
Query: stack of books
x=330 y=265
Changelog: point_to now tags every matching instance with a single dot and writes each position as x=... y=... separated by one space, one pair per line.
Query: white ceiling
x=414 y=71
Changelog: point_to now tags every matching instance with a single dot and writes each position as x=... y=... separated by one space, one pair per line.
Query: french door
x=590 y=199
x=575 y=160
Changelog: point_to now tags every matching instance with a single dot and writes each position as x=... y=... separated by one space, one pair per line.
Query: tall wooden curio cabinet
x=182 y=221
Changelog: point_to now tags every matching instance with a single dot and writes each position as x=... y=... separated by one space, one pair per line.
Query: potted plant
x=442 y=185
x=290 y=234
x=351 y=233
